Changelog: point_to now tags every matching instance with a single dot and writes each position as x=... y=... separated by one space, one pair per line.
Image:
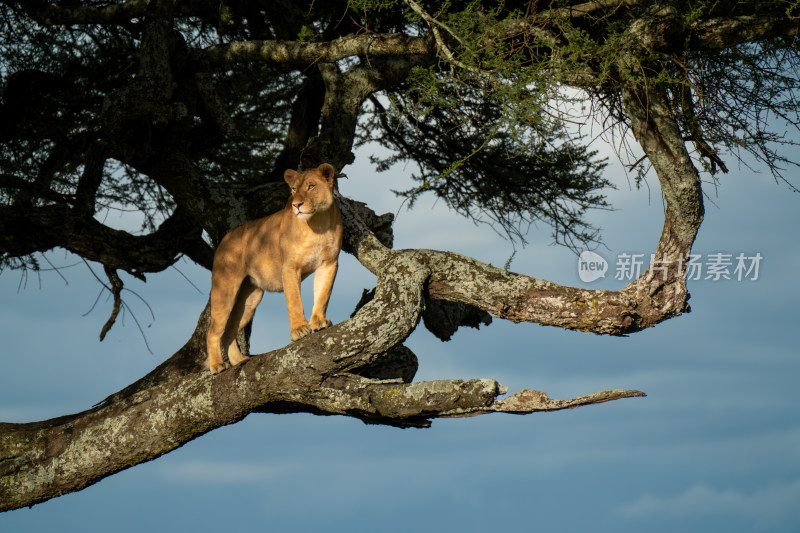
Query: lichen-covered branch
x=38 y=229
x=45 y=459
x=719 y=33
x=393 y=402
x=295 y=52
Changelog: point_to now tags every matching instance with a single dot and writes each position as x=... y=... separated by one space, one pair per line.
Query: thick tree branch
x=396 y=403
x=42 y=460
x=26 y=231
x=303 y=124
x=658 y=294
x=302 y=53
x=719 y=33
x=45 y=459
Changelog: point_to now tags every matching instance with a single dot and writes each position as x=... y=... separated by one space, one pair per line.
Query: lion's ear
x=327 y=171
x=289 y=176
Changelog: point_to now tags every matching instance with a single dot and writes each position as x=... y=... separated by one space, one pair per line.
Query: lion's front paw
x=321 y=323
x=300 y=332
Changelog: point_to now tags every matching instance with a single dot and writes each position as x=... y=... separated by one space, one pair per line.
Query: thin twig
x=116 y=290
x=448 y=54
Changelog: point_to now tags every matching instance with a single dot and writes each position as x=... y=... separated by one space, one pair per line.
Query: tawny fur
x=275 y=254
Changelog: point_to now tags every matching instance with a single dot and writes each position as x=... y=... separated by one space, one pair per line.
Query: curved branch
x=658 y=294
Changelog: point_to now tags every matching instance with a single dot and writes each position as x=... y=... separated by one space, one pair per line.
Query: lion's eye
x=310 y=186
x=294 y=189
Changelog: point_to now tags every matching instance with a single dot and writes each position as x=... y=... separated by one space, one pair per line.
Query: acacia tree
x=189 y=111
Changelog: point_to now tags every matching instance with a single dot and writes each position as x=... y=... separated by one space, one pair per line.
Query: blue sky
x=715 y=446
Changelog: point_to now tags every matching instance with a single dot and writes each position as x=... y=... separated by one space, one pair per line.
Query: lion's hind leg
x=216 y=330
x=222 y=302
x=247 y=299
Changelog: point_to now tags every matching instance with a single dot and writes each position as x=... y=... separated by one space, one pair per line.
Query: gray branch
x=296 y=52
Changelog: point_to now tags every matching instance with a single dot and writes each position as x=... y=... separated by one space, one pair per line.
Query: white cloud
x=771 y=507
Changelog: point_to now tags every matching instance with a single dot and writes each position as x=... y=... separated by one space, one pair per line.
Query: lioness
x=275 y=254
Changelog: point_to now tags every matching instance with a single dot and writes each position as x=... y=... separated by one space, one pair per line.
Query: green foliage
x=504 y=162
x=487 y=135
x=307 y=35
x=361 y=6
x=494 y=104
x=52 y=84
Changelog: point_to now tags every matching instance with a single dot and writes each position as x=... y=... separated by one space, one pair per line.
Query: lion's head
x=312 y=190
